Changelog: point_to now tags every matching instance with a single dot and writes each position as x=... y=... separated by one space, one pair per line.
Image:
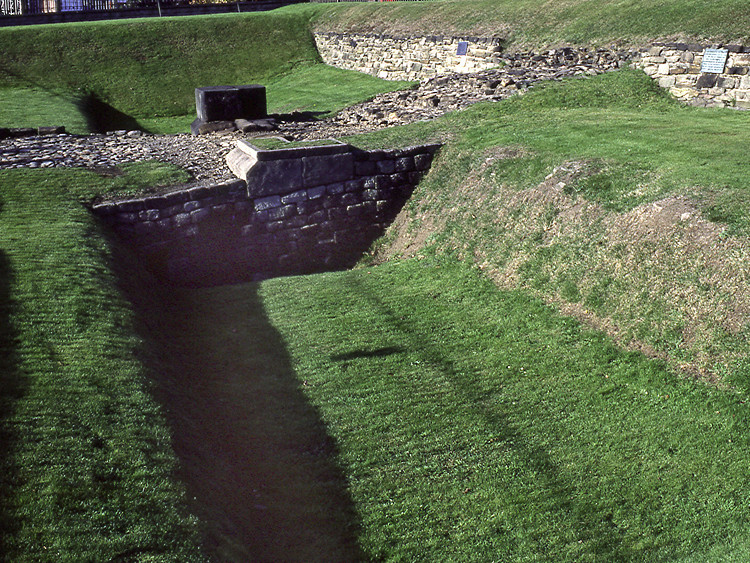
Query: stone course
x=423 y=57
x=235 y=231
x=677 y=67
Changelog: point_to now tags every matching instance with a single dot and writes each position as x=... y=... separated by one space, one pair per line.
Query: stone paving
x=203 y=156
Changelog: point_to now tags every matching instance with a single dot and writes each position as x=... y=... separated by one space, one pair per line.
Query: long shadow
x=590 y=523
x=12 y=388
x=254 y=454
x=102 y=117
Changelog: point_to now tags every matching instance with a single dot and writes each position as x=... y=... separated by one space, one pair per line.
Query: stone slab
x=227 y=103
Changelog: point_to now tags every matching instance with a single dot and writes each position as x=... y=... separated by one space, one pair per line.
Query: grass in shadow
x=12 y=386
x=254 y=454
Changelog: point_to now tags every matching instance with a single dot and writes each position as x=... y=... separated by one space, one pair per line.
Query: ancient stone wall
x=421 y=58
x=407 y=58
x=677 y=67
x=232 y=232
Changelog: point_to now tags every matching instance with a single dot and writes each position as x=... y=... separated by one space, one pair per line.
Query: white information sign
x=714 y=60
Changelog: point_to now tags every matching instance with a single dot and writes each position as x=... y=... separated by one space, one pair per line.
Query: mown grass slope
x=607 y=197
x=86 y=469
x=540 y=23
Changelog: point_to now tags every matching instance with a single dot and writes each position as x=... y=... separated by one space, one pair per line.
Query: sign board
x=463 y=47
x=714 y=60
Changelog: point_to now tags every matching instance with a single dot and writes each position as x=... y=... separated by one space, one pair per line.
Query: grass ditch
x=603 y=455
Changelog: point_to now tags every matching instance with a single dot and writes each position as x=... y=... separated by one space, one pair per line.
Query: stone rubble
x=203 y=156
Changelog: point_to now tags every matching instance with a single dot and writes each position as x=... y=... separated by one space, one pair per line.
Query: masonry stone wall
x=407 y=58
x=230 y=232
x=677 y=67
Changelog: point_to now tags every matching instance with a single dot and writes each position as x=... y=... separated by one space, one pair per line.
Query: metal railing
x=34 y=7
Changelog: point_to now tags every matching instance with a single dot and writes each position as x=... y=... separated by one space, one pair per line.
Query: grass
x=150 y=68
x=143 y=73
x=540 y=23
x=448 y=419
x=30 y=107
x=476 y=425
x=86 y=466
x=636 y=147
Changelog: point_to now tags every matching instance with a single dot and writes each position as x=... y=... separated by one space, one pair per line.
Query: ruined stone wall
x=229 y=232
x=421 y=58
x=677 y=67
x=407 y=58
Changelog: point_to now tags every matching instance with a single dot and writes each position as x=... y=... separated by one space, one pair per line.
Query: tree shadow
x=254 y=454
x=102 y=117
x=12 y=388
x=589 y=523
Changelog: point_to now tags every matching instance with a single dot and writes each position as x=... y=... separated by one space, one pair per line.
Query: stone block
x=199 y=215
x=294 y=197
x=283 y=212
x=706 y=80
x=422 y=161
x=54 y=130
x=227 y=103
x=263 y=203
x=201 y=127
x=666 y=81
x=726 y=82
x=327 y=169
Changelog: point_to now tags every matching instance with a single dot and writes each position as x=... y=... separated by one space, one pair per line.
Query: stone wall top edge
x=432 y=38
x=159 y=200
x=733 y=48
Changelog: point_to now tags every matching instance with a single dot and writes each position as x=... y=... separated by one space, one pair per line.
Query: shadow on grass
x=588 y=523
x=254 y=454
x=101 y=117
x=12 y=388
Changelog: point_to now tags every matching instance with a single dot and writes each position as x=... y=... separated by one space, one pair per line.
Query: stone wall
x=238 y=231
x=407 y=58
x=677 y=67
x=422 y=58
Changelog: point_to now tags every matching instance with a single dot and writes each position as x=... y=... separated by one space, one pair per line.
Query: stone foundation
x=677 y=67
x=240 y=230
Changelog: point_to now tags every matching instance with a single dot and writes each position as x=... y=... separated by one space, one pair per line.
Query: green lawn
x=29 y=107
x=478 y=425
x=86 y=469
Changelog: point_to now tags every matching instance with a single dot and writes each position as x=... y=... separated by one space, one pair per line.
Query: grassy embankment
x=143 y=73
x=87 y=467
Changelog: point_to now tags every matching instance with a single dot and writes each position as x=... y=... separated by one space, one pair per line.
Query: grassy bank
x=541 y=23
x=474 y=424
x=606 y=197
x=86 y=469
x=143 y=73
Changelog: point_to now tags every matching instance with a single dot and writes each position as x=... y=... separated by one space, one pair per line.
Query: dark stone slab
x=16 y=132
x=52 y=130
x=706 y=81
x=200 y=127
x=227 y=103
